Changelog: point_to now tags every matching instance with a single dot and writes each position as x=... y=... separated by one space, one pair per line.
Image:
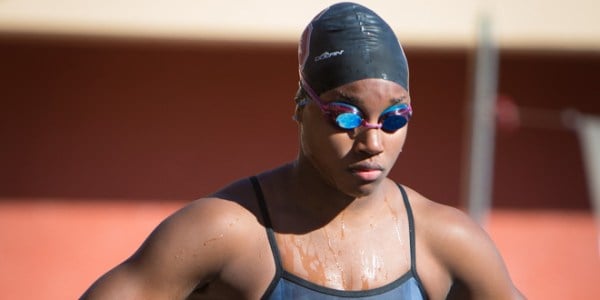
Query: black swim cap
x=348 y=42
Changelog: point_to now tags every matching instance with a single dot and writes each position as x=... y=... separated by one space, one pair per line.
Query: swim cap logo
x=327 y=55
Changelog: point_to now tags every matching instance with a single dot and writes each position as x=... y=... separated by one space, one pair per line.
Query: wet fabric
x=286 y=285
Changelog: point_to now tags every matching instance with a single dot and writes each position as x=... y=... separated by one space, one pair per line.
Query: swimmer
x=330 y=224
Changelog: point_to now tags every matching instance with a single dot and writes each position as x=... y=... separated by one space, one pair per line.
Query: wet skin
x=340 y=183
x=339 y=222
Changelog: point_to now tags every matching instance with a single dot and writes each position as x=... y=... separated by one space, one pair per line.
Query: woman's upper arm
x=474 y=262
x=464 y=253
x=189 y=247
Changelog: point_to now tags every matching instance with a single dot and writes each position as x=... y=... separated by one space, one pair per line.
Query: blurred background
x=116 y=113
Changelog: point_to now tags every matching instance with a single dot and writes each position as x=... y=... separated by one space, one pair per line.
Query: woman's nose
x=369 y=141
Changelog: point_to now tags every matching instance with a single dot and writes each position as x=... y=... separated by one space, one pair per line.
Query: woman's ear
x=301 y=99
x=298 y=113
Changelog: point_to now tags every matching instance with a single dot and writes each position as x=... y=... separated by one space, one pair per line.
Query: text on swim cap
x=326 y=55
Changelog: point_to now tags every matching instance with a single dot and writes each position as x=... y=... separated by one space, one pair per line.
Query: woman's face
x=353 y=161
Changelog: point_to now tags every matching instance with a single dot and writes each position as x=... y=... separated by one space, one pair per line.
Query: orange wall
x=56 y=248
x=157 y=120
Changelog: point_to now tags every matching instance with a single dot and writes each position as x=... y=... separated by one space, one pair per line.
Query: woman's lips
x=367 y=172
x=367 y=175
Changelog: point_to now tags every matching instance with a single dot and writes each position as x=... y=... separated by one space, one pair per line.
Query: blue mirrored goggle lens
x=348 y=120
x=393 y=123
x=395 y=117
x=348 y=117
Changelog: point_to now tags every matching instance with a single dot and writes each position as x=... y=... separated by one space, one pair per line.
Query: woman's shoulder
x=461 y=247
x=227 y=215
x=435 y=215
x=442 y=225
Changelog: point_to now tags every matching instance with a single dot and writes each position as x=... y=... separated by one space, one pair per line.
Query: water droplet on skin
x=398 y=231
x=213 y=239
x=343 y=229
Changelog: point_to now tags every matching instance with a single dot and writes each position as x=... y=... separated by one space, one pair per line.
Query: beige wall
x=537 y=24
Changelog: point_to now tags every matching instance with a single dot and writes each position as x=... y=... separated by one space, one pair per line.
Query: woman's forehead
x=359 y=92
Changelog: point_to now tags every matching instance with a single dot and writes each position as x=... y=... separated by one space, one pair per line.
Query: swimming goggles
x=348 y=117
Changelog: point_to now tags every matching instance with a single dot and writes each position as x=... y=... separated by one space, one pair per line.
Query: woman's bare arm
x=188 y=248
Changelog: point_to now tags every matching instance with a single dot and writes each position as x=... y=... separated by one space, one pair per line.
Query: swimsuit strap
x=275 y=250
x=260 y=197
x=411 y=230
x=270 y=234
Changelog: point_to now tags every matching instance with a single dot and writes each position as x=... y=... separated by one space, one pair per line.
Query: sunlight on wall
x=519 y=24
